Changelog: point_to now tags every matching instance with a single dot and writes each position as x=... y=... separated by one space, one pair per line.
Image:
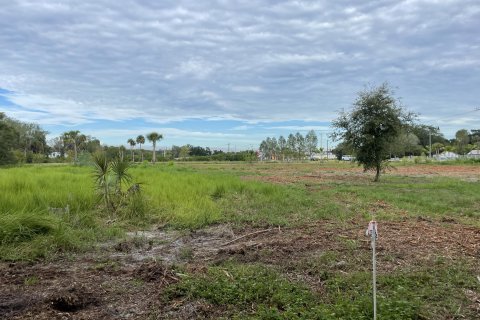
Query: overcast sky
x=211 y=73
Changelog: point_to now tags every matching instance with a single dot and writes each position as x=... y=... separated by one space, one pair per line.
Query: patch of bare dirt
x=293 y=174
x=115 y=283
x=439 y=170
x=400 y=243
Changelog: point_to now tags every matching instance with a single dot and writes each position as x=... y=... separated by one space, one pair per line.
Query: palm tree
x=154 y=137
x=121 y=152
x=140 y=141
x=132 y=144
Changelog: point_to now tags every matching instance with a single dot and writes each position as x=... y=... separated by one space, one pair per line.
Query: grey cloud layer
x=248 y=60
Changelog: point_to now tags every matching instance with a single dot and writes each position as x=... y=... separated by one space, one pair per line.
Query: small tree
x=111 y=181
x=184 y=151
x=374 y=123
x=74 y=139
x=462 y=139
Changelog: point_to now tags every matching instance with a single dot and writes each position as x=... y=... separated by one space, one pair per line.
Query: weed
x=31 y=281
x=186 y=253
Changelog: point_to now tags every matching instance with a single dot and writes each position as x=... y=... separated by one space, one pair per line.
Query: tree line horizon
x=22 y=142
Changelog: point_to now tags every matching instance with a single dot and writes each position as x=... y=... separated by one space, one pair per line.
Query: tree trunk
x=154 y=156
x=133 y=156
x=75 y=152
x=377 y=175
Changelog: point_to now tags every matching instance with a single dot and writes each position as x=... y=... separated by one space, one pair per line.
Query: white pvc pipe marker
x=372 y=231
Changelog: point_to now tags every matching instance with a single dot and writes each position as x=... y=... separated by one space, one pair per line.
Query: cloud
x=255 y=89
x=302 y=128
x=242 y=128
x=170 y=132
x=164 y=62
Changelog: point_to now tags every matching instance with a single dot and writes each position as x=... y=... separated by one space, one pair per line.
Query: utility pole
x=228 y=150
x=327 y=149
x=430 y=140
x=321 y=141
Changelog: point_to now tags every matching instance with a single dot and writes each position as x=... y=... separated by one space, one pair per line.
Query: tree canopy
x=7 y=138
x=373 y=124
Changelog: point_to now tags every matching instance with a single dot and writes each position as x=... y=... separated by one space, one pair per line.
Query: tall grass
x=34 y=234
x=199 y=195
x=184 y=198
x=35 y=188
x=36 y=198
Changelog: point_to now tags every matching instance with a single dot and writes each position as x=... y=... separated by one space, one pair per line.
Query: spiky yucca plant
x=119 y=169
x=112 y=181
x=100 y=174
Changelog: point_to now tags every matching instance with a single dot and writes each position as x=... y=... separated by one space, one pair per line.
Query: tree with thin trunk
x=374 y=123
x=153 y=137
x=311 y=142
x=291 y=145
x=282 y=143
x=461 y=137
x=132 y=144
x=121 y=152
x=141 y=140
x=300 y=143
x=75 y=139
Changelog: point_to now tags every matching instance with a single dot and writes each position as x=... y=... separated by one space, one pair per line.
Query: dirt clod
x=73 y=299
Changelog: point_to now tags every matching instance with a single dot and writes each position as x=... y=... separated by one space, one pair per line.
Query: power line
x=459 y=114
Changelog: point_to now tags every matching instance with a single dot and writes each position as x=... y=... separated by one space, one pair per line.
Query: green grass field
x=176 y=197
x=191 y=196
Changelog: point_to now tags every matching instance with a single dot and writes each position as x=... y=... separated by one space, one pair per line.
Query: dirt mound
x=72 y=299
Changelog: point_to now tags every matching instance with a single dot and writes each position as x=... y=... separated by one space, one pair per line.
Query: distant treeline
x=294 y=147
x=419 y=139
x=415 y=140
x=22 y=142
